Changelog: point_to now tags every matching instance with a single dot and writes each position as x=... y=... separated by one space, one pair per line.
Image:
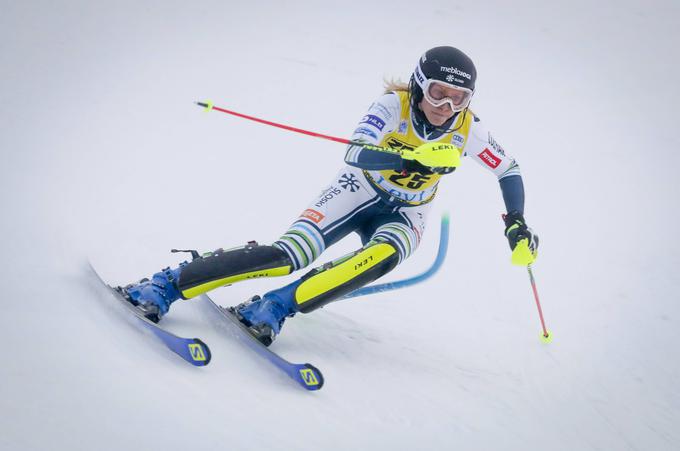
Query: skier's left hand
x=416 y=166
x=522 y=240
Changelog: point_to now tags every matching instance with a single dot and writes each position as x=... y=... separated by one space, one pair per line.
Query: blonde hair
x=394 y=85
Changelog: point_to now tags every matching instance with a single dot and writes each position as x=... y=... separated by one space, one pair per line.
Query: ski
x=306 y=375
x=193 y=350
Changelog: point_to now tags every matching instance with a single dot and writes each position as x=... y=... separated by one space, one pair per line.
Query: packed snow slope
x=104 y=157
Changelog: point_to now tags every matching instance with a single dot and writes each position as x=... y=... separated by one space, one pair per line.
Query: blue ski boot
x=264 y=316
x=153 y=297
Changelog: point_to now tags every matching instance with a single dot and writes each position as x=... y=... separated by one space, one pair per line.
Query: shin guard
x=224 y=267
x=344 y=275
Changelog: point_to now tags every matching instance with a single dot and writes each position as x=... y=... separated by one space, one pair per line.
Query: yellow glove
x=523 y=255
x=438 y=157
x=523 y=241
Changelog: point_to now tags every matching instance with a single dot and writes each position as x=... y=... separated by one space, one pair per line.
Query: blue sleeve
x=372 y=160
x=513 y=193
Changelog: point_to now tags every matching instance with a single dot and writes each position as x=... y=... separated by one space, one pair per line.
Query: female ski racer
x=383 y=196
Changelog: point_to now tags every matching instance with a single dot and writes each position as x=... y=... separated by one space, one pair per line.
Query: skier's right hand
x=414 y=166
x=440 y=158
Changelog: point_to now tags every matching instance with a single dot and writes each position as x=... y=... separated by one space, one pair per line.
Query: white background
x=105 y=157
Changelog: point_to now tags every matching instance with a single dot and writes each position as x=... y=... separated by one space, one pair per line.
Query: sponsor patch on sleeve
x=495 y=145
x=489 y=158
x=365 y=131
x=312 y=215
x=373 y=120
x=382 y=109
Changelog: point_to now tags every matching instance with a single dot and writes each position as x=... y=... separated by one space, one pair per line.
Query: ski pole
x=546 y=337
x=209 y=107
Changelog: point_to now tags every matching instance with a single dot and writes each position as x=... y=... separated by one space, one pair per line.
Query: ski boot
x=153 y=297
x=264 y=316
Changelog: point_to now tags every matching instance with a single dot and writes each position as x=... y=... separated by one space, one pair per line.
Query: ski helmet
x=443 y=64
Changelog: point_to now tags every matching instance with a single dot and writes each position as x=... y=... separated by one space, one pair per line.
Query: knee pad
x=344 y=275
x=221 y=268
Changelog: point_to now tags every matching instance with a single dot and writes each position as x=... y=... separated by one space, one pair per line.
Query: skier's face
x=441 y=100
x=436 y=115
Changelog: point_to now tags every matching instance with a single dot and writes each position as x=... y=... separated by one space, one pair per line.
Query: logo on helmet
x=419 y=76
x=452 y=78
x=456 y=71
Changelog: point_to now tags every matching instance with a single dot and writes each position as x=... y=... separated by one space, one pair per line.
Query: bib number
x=411 y=181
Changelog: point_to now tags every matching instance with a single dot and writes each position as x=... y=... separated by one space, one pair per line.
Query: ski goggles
x=438 y=93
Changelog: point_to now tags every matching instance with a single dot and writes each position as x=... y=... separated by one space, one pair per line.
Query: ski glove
x=523 y=242
x=434 y=157
x=414 y=166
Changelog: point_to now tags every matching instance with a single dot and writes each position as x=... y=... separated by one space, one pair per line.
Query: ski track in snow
x=105 y=158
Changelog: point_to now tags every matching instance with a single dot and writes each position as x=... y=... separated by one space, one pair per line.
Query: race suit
x=373 y=196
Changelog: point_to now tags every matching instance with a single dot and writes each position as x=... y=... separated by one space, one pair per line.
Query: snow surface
x=105 y=157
